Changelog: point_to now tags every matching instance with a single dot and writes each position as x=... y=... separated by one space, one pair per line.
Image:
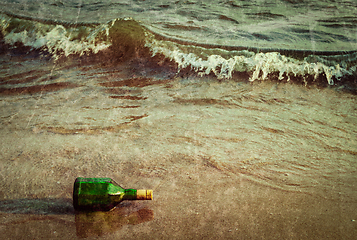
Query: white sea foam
x=56 y=39
x=258 y=64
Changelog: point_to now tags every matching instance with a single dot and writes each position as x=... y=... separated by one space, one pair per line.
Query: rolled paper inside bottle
x=142 y=194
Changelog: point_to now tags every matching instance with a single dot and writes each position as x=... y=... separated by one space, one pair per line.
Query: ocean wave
x=223 y=63
x=125 y=38
x=56 y=38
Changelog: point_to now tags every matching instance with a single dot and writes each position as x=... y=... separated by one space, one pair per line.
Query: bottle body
x=103 y=194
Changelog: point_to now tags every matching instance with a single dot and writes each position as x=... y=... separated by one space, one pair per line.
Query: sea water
x=260 y=90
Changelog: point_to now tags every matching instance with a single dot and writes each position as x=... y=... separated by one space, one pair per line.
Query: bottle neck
x=129 y=194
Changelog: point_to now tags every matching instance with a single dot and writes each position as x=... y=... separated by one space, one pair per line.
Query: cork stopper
x=142 y=194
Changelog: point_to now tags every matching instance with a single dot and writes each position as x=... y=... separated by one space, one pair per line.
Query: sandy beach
x=193 y=197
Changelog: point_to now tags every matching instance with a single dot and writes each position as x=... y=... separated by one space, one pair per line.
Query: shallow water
x=237 y=140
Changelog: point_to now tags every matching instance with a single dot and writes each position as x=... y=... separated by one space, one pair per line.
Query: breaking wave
x=124 y=38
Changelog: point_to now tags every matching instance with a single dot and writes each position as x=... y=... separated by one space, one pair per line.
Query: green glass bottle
x=103 y=194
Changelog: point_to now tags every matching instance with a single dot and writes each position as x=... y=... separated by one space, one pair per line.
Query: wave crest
x=125 y=38
x=123 y=35
x=259 y=64
x=56 y=38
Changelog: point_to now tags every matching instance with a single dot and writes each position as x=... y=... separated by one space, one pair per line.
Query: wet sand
x=193 y=199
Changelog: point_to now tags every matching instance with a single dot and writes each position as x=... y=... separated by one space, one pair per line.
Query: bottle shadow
x=87 y=224
x=39 y=206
